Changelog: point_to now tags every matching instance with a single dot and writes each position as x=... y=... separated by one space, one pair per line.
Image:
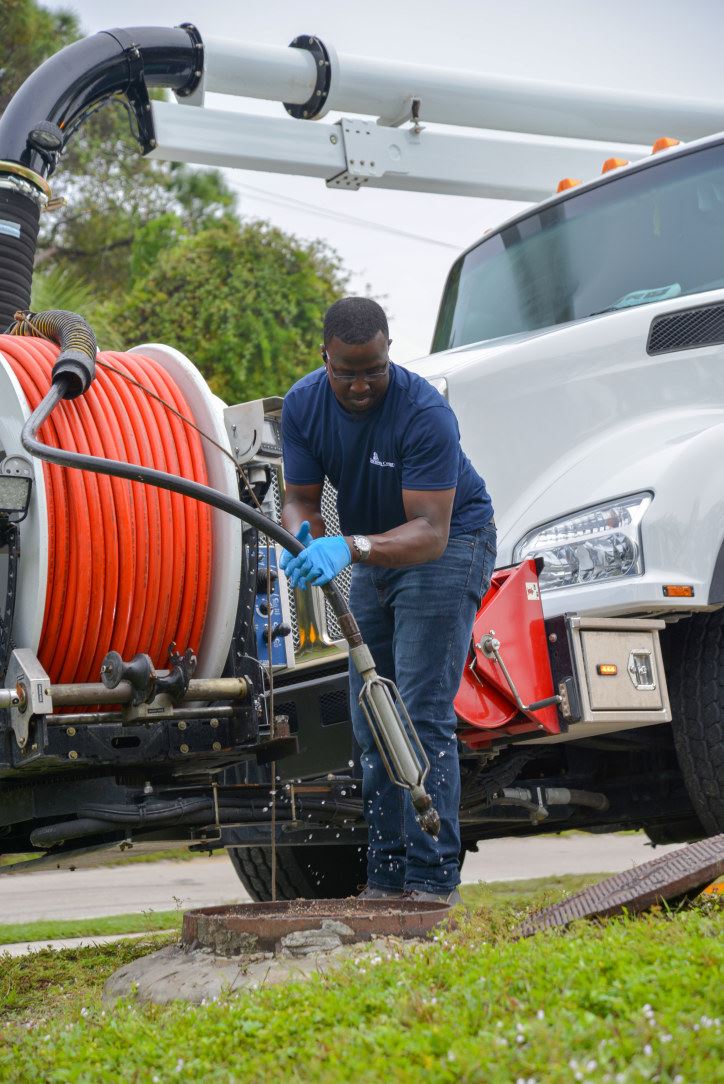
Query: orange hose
x=129 y=565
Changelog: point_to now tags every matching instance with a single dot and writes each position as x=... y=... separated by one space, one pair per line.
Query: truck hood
x=531 y=407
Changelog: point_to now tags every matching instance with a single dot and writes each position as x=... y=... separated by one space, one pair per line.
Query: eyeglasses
x=368 y=375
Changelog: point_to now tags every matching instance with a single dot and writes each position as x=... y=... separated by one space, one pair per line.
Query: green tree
x=59 y=288
x=244 y=301
x=30 y=34
x=109 y=188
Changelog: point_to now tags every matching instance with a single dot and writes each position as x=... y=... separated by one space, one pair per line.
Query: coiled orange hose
x=129 y=565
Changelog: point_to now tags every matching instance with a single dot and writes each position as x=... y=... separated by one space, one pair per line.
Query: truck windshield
x=641 y=237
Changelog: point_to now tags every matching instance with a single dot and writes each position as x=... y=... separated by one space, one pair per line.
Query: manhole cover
x=663 y=879
x=234 y=926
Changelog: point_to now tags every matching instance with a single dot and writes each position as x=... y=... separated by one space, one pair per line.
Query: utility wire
x=338 y=216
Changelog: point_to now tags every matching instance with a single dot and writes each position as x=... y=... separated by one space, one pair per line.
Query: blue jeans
x=417 y=622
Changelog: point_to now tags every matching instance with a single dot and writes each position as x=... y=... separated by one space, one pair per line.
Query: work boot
x=370 y=893
x=450 y=898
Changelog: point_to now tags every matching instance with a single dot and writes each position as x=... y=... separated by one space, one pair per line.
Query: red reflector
x=607 y=669
x=678 y=590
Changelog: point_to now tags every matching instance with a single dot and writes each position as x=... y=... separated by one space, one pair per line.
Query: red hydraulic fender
x=511 y=611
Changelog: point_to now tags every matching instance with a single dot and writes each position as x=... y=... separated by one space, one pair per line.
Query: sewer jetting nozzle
x=395 y=737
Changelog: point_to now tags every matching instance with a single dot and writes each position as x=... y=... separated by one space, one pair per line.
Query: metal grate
x=702 y=326
x=670 y=877
x=344 y=580
x=334 y=707
x=290 y=710
x=277 y=515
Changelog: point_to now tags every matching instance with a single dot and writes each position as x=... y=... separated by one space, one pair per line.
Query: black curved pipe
x=69 y=84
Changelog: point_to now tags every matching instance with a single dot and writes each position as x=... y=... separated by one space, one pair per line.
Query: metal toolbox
x=619 y=669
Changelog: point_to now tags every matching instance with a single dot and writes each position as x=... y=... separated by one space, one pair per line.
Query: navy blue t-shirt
x=410 y=440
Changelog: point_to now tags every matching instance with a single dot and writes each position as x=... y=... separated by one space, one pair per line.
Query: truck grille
x=329 y=512
x=702 y=326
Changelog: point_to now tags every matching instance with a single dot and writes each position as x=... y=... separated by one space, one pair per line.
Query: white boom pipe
x=385 y=89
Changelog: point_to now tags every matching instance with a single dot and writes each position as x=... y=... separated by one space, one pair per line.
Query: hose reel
x=73 y=437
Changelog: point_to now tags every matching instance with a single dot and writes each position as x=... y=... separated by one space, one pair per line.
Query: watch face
x=363 y=546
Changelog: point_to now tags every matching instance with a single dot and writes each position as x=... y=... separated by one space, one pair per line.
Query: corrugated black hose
x=19 y=221
x=76 y=362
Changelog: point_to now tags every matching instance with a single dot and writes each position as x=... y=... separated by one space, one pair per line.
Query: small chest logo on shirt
x=377 y=462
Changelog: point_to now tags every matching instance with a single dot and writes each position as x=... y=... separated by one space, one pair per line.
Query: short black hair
x=354 y=320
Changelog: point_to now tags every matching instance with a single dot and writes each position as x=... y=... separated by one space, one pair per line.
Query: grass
x=501 y=894
x=55 y=929
x=627 y=1000
x=496 y=894
x=123 y=858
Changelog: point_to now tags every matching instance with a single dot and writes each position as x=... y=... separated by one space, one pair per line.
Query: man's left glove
x=321 y=561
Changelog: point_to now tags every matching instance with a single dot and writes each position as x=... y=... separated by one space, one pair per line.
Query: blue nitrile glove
x=321 y=561
x=303 y=535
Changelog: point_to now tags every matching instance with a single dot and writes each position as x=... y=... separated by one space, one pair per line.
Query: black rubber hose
x=195 y=490
x=69 y=84
x=51 y=834
x=76 y=362
x=19 y=220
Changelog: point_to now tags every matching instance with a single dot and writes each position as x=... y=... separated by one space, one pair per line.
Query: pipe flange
x=26 y=179
x=198 y=71
x=313 y=107
x=136 y=91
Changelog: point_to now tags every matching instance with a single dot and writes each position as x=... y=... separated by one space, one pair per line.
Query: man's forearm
x=295 y=512
x=412 y=543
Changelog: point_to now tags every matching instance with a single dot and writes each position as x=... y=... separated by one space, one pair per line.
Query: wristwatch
x=362 y=546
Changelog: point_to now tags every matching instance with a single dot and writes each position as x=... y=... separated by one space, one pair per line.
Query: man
x=418 y=529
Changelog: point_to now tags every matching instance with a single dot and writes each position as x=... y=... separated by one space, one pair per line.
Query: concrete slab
x=116 y=890
x=23 y=948
x=175 y=973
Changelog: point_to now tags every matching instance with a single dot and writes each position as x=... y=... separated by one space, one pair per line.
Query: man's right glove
x=303 y=535
x=320 y=562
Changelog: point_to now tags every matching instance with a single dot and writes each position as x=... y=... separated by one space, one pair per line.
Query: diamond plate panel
x=344 y=580
x=687 y=870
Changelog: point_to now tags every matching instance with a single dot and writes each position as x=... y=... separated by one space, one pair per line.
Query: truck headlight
x=599 y=543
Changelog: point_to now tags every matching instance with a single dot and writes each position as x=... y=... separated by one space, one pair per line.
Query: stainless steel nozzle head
x=429 y=821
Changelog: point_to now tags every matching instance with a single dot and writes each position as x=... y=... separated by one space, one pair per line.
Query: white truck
x=580 y=345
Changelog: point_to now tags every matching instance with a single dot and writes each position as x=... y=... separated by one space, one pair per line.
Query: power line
x=290 y=201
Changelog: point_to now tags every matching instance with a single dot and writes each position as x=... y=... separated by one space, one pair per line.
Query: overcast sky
x=658 y=45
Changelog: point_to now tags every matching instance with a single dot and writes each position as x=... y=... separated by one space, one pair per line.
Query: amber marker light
x=568 y=182
x=678 y=590
x=663 y=144
x=613 y=163
x=607 y=669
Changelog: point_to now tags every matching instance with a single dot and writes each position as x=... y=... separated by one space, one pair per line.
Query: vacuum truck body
x=580 y=345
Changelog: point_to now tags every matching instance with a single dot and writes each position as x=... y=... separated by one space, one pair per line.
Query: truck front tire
x=695 y=672
x=310 y=873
